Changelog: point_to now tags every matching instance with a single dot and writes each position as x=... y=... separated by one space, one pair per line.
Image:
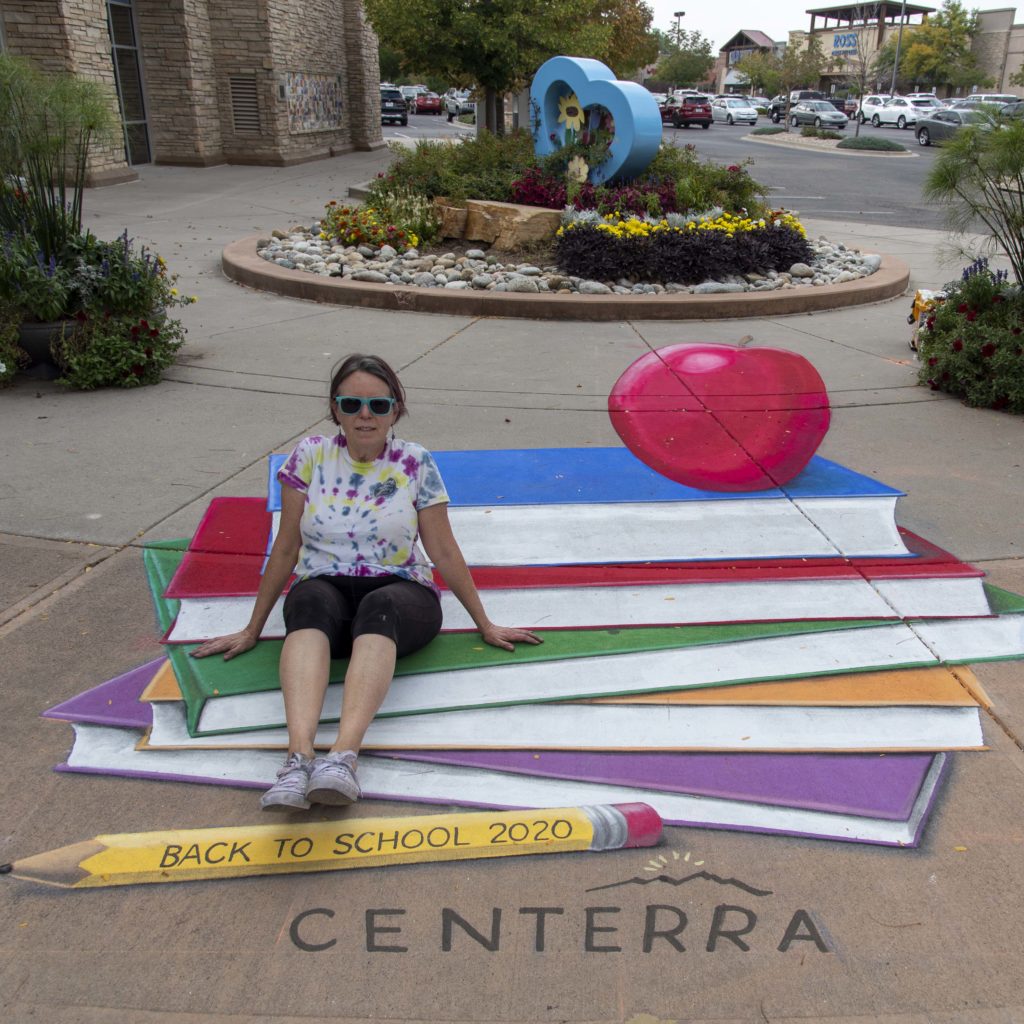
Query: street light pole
x=899 y=41
x=679 y=32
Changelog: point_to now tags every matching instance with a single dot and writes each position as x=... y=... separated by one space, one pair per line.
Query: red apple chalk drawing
x=721 y=418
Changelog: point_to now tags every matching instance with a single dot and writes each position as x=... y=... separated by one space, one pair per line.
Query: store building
x=201 y=82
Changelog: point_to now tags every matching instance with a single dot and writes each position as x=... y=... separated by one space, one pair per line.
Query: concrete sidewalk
x=934 y=934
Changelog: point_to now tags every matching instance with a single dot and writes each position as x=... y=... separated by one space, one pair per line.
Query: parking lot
x=875 y=188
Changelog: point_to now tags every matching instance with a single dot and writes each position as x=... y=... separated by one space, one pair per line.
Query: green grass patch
x=772 y=129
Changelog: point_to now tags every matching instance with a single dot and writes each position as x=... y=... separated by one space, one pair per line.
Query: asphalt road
x=826 y=185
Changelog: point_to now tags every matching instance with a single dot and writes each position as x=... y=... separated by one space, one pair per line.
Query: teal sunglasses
x=351 y=406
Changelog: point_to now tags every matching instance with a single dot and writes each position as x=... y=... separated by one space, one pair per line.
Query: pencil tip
x=6 y=869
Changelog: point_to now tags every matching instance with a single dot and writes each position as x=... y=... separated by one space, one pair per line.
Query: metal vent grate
x=245 y=108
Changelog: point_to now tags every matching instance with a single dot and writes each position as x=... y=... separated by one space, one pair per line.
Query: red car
x=428 y=103
x=692 y=108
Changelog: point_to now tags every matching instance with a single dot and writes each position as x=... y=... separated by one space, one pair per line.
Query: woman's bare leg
x=305 y=670
x=370 y=671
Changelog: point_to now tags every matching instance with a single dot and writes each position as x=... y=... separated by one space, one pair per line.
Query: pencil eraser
x=644 y=824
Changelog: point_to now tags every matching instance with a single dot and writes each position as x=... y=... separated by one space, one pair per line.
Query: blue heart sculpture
x=637 y=134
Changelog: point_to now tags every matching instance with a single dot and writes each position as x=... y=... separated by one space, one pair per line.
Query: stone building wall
x=221 y=77
x=70 y=36
x=363 y=77
x=990 y=44
x=180 y=78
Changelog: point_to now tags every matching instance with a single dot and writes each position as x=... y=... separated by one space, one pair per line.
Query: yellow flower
x=570 y=112
x=193 y=298
x=174 y=291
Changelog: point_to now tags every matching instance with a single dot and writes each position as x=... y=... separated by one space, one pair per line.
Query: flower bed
x=680 y=249
x=971 y=344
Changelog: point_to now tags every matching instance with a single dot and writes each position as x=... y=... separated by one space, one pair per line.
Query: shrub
x=483 y=167
x=808 y=131
x=125 y=336
x=505 y=169
x=12 y=356
x=679 y=250
x=771 y=129
x=872 y=142
x=972 y=345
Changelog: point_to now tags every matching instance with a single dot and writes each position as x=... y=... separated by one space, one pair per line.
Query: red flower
x=932 y=361
x=135 y=332
x=1015 y=330
x=988 y=350
x=929 y=323
x=958 y=345
x=972 y=316
x=154 y=333
x=80 y=316
x=996 y=299
x=962 y=308
x=734 y=168
x=933 y=385
x=1001 y=402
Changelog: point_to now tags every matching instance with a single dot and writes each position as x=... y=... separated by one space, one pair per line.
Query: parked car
x=667 y=107
x=777 y=108
x=392 y=107
x=1013 y=109
x=870 y=105
x=457 y=102
x=692 y=108
x=942 y=125
x=732 y=111
x=427 y=103
x=900 y=111
x=820 y=113
x=994 y=99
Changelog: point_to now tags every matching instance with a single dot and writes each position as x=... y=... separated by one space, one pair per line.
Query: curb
x=241 y=265
x=775 y=140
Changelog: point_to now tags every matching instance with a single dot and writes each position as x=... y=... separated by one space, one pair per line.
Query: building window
x=128 y=77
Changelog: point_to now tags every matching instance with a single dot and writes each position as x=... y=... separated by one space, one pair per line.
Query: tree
x=936 y=53
x=940 y=50
x=687 y=62
x=497 y=45
x=760 y=71
x=631 y=44
x=797 y=68
x=1017 y=78
x=979 y=177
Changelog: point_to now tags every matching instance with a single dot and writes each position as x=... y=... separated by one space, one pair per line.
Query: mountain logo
x=660 y=863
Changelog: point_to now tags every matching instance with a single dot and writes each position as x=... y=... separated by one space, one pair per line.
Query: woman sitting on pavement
x=352 y=509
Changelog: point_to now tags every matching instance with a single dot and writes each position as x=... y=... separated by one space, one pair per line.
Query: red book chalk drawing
x=721 y=418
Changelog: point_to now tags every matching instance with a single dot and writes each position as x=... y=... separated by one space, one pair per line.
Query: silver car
x=732 y=110
x=820 y=113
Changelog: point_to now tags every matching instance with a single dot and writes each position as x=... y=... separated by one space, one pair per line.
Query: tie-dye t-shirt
x=360 y=518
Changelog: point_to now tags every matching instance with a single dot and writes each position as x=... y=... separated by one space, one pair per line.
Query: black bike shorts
x=345 y=607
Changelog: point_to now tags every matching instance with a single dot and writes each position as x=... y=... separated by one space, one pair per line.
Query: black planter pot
x=38 y=339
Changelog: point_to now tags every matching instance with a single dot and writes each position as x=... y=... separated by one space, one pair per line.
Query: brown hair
x=375 y=366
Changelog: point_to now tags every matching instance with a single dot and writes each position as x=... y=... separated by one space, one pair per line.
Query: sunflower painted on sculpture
x=570 y=112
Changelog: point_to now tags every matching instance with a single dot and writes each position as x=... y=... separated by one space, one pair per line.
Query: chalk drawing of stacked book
x=778 y=657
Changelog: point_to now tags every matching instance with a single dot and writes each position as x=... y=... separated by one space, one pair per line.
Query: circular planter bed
x=242 y=264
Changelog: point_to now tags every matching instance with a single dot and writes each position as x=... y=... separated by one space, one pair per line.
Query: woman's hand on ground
x=507 y=637
x=229 y=646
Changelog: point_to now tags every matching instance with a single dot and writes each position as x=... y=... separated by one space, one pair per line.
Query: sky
x=720 y=22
